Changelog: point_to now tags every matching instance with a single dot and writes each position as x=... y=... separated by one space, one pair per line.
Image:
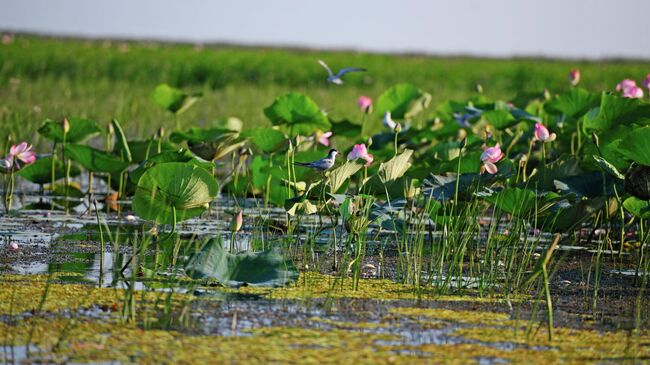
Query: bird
x=336 y=79
x=323 y=164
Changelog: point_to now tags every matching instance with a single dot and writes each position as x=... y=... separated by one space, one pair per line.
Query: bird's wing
x=343 y=71
x=326 y=67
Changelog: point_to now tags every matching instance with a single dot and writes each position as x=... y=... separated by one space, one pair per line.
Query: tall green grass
x=51 y=78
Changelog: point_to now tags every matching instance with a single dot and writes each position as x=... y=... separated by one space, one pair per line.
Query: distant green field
x=52 y=78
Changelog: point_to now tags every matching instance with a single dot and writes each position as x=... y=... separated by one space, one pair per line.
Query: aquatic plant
x=19 y=155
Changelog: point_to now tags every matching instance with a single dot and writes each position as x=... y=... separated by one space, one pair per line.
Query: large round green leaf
x=297 y=114
x=80 y=130
x=95 y=160
x=515 y=201
x=185 y=187
x=635 y=146
x=266 y=139
x=639 y=208
x=403 y=101
x=616 y=110
x=266 y=268
x=573 y=103
x=180 y=155
x=142 y=150
x=172 y=99
x=40 y=172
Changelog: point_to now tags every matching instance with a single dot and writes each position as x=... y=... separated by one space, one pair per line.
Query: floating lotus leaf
x=265 y=268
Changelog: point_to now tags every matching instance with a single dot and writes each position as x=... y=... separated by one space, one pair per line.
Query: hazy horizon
x=579 y=29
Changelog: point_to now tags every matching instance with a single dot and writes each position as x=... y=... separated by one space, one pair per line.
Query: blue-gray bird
x=323 y=164
x=336 y=79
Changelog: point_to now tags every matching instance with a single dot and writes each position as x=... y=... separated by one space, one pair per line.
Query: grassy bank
x=51 y=78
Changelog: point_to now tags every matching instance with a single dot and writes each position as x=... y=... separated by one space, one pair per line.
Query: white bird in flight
x=336 y=79
x=323 y=164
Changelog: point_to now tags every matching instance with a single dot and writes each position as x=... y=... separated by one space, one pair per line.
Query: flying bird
x=323 y=164
x=336 y=79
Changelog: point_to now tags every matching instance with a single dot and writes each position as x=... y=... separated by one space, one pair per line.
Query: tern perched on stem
x=336 y=79
x=323 y=164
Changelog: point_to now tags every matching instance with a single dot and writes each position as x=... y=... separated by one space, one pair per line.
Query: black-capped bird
x=336 y=79
x=323 y=164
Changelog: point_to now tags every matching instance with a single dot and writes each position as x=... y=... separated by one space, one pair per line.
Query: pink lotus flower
x=360 y=151
x=646 y=82
x=489 y=157
x=633 y=92
x=323 y=138
x=13 y=246
x=574 y=77
x=542 y=134
x=365 y=103
x=21 y=152
x=625 y=84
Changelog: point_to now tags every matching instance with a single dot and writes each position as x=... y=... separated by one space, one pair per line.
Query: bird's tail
x=302 y=163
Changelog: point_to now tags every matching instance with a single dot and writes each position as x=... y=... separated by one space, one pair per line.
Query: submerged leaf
x=266 y=268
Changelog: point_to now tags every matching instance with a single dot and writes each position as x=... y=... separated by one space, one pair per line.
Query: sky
x=593 y=29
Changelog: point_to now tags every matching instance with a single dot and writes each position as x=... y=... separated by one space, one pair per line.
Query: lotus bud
x=462 y=133
x=110 y=129
x=66 y=126
x=365 y=104
x=160 y=133
x=547 y=94
x=237 y=221
x=479 y=88
x=594 y=138
x=398 y=128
